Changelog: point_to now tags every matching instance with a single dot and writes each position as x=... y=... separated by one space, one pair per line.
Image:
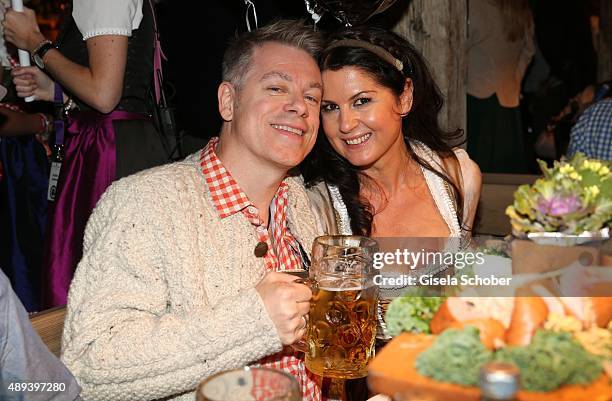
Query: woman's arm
x=99 y=85
x=472 y=185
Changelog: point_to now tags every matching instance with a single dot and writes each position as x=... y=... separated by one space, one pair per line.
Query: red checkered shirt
x=229 y=199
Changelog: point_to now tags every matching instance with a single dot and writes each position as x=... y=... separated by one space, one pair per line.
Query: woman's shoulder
x=460 y=168
x=470 y=173
x=324 y=205
x=314 y=192
x=108 y=17
x=469 y=168
x=472 y=185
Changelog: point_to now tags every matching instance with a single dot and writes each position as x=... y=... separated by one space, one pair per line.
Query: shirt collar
x=227 y=196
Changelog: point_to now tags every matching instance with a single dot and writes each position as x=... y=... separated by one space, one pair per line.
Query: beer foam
x=338 y=289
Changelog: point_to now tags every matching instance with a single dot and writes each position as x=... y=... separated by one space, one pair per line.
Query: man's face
x=275 y=114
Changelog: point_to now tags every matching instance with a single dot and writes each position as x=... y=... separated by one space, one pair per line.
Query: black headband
x=379 y=51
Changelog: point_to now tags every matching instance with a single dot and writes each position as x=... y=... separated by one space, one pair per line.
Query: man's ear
x=226 y=96
x=406 y=97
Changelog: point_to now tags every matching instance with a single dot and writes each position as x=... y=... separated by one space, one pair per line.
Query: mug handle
x=301 y=345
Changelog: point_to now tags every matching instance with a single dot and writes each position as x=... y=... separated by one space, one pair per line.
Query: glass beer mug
x=249 y=384
x=341 y=324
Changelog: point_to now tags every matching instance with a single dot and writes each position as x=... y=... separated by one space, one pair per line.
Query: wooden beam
x=438 y=28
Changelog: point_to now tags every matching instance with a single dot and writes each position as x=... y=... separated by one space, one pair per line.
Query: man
x=178 y=279
x=25 y=361
x=592 y=134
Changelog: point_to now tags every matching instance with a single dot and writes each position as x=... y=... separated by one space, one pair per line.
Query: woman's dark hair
x=420 y=124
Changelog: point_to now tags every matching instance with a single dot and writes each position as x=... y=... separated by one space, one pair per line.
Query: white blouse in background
x=107 y=17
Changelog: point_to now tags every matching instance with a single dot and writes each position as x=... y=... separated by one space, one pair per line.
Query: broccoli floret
x=456 y=357
x=551 y=360
x=411 y=314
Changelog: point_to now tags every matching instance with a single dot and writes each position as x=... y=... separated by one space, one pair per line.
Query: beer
x=342 y=320
x=341 y=328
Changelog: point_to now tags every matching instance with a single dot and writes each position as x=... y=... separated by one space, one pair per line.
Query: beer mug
x=249 y=384
x=341 y=324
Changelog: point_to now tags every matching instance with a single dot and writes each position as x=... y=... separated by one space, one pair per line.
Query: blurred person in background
x=553 y=141
x=592 y=134
x=103 y=63
x=500 y=47
x=24 y=172
x=24 y=358
x=562 y=75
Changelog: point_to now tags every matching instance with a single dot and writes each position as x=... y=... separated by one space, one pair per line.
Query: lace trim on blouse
x=107 y=31
x=439 y=189
x=343 y=218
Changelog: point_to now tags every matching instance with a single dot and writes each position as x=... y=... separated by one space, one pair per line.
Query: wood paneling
x=438 y=28
x=605 y=42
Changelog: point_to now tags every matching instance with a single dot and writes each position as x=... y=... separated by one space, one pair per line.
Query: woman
x=24 y=176
x=500 y=47
x=384 y=162
x=104 y=63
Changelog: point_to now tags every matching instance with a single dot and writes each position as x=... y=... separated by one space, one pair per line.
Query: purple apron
x=87 y=170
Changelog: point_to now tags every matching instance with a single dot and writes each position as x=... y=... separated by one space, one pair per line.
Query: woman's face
x=361 y=118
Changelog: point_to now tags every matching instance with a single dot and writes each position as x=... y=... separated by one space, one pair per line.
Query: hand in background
x=21 y=29
x=31 y=81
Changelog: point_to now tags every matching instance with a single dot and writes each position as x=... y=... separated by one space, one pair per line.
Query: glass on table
x=249 y=384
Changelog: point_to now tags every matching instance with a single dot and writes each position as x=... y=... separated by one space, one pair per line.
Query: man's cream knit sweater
x=165 y=293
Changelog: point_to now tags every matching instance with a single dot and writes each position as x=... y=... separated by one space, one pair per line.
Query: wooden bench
x=497 y=194
x=49 y=325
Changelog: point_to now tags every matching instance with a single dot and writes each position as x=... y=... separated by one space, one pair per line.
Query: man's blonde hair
x=294 y=33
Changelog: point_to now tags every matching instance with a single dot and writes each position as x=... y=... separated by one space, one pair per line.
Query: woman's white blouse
x=107 y=17
x=440 y=191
